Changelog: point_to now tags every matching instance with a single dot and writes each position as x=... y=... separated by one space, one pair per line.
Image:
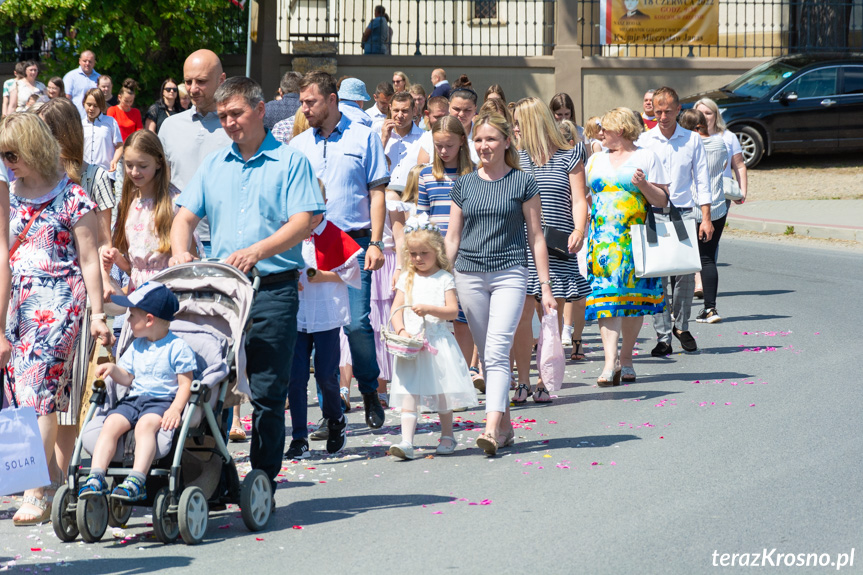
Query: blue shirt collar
x=268 y=148
x=340 y=127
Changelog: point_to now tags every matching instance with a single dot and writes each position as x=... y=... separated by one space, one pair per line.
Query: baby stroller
x=192 y=468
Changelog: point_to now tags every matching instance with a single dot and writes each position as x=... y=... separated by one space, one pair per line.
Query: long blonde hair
x=63 y=120
x=147 y=142
x=500 y=124
x=411 y=193
x=430 y=235
x=301 y=124
x=451 y=125
x=539 y=133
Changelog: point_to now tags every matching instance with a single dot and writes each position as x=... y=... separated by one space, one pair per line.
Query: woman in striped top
x=486 y=240
x=558 y=169
x=451 y=160
x=717 y=159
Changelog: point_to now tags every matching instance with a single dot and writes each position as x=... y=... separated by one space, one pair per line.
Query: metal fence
x=749 y=28
x=425 y=27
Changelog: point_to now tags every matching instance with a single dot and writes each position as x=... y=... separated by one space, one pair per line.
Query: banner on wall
x=693 y=22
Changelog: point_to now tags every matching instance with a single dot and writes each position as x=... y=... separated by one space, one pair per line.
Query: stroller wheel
x=63 y=514
x=193 y=515
x=91 y=516
x=165 y=527
x=256 y=500
x=118 y=514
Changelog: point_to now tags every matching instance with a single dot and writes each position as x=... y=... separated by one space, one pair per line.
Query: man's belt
x=281 y=277
x=360 y=233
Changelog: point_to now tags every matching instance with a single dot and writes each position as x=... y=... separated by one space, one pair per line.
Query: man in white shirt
x=81 y=79
x=398 y=132
x=685 y=161
x=383 y=96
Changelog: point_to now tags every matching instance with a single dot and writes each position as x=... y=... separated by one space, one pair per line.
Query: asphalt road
x=751 y=444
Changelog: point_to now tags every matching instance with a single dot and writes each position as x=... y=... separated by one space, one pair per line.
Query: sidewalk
x=831 y=219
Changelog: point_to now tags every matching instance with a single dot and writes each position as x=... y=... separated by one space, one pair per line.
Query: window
x=485 y=9
x=853 y=81
x=815 y=84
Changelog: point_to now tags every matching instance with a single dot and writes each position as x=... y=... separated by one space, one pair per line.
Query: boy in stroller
x=158 y=367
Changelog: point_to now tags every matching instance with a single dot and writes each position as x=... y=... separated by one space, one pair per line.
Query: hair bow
x=420 y=222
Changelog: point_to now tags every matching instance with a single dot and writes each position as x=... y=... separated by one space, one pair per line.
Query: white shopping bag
x=22 y=455
x=662 y=249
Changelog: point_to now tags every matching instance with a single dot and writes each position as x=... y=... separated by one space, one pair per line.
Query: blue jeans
x=361 y=337
x=269 y=353
x=326 y=346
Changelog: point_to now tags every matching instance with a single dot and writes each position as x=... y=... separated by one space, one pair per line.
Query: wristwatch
x=98 y=316
x=379 y=245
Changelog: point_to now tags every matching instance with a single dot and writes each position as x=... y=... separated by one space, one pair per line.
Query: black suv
x=794 y=103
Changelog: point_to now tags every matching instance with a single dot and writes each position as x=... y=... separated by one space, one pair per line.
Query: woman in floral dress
x=625 y=181
x=54 y=268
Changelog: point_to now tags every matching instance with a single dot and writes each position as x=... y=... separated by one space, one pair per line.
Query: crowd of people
x=433 y=217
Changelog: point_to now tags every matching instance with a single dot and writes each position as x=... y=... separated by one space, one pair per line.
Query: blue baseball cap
x=353 y=89
x=153 y=298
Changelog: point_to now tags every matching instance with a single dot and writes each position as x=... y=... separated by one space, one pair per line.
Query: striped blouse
x=493 y=237
x=434 y=198
x=717 y=158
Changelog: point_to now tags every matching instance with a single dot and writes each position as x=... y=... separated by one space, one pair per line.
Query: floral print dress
x=48 y=297
x=617 y=205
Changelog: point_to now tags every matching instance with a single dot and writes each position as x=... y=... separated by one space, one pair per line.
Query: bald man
x=441 y=86
x=83 y=78
x=191 y=136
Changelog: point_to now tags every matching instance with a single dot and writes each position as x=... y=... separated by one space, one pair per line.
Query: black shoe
x=662 y=349
x=321 y=433
x=687 y=342
x=374 y=411
x=337 y=436
x=299 y=449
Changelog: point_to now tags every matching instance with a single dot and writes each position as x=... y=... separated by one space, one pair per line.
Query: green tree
x=147 y=40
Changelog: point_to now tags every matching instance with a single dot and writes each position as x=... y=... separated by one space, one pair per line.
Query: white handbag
x=731 y=190
x=662 y=249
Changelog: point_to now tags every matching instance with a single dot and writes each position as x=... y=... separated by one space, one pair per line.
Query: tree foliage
x=147 y=40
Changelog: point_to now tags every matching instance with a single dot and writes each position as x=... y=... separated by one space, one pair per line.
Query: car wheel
x=752 y=144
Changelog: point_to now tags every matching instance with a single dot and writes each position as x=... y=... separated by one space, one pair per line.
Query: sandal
x=609 y=378
x=478 y=379
x=487 y=443
x=43 y=504
x=518 y=398
x=628 y=374
x=93 y=486
x=577 y=351
x=384 y=399
x=237 y=434
x=130 y=490
x=541 y=395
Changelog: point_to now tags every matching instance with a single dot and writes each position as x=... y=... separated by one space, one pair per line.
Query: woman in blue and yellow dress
x=625 y=181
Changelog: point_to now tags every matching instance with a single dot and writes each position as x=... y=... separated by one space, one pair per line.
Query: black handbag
x=556 y=241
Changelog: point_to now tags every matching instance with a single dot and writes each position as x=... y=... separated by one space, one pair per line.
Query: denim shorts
x=134 y=408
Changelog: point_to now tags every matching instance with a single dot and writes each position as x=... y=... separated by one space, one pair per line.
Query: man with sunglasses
x=685 y=161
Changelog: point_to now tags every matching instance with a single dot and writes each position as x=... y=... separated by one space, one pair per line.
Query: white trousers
x=492 y=303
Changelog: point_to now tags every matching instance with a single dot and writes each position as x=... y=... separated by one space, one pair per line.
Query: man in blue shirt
x=350 y=160
x=260 y=197
x=81 y=79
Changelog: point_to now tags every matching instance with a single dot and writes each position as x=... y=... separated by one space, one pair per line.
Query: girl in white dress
x=438 y=378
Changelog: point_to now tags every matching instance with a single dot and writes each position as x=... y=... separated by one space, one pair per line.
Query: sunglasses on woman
x=170 y=89
x=10 y=157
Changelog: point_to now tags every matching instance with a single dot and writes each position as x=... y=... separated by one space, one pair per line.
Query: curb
x=834 y=232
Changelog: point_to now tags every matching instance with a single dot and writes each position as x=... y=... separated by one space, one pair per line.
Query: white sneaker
x=403 y=450
x=566 y=336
